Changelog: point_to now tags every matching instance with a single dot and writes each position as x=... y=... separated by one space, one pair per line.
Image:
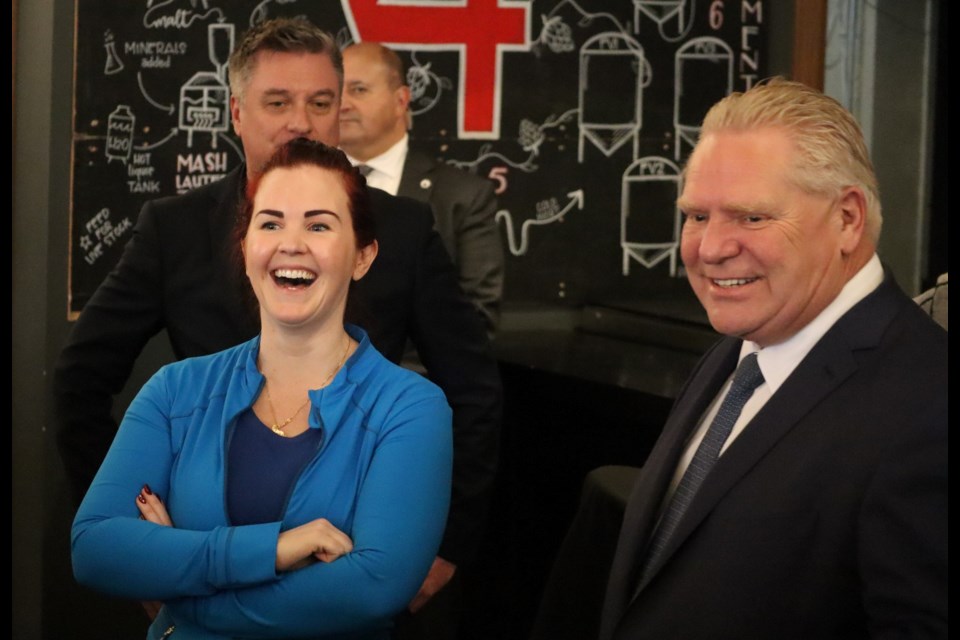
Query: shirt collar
x=390 y=162
x=778 y=361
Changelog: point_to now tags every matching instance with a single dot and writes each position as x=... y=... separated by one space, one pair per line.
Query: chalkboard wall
x=582 y=113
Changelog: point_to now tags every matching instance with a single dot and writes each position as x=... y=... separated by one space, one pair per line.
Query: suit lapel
x=643 y=507
x=416 y=166
x=660 y=466
x=814 y=379
x=824 y=369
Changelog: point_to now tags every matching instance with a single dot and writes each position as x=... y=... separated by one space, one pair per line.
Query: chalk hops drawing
x=548 y=212
x=557 y=36
x=661 y=11
x=649 y=219
x=707 y=65
x=609 y=61
x=426 y=87
x=531 y=136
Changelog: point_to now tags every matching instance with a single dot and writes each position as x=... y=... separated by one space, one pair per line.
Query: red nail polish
x=146 y=490
x=141 y=499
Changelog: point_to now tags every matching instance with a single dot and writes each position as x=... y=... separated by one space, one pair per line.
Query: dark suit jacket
x=826 y=517
x=465 y=209
x=179 y=273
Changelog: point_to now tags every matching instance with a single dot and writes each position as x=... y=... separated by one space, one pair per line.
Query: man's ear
x=402 y=97
x=852 y=207
x=235 y=114
x=365 y=257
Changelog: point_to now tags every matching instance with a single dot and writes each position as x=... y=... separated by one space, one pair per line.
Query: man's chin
x=728 y=322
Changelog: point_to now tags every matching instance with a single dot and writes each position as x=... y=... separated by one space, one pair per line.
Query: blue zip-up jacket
x=381 y=475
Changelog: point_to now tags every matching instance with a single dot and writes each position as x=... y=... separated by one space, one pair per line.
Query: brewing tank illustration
x=649 y=218
x=120 y=125
x=611 y=92
x=703 y=75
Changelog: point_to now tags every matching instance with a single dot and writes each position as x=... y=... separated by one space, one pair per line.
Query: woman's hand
x=315 y=540
x=152 y=510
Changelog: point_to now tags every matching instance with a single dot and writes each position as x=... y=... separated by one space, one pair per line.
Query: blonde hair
x=832 y=152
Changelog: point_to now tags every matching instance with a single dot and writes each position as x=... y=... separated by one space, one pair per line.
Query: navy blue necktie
x=747 y=378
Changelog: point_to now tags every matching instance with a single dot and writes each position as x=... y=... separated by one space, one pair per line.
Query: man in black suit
x=374 y=120
x=177 y=273
x=825 y=514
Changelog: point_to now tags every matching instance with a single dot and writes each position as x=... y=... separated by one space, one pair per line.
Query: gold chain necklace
x=277 y=426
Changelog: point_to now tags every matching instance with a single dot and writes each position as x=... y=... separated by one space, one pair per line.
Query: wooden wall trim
x=809 y=42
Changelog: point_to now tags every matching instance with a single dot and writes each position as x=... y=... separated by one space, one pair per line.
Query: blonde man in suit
x=819 y=510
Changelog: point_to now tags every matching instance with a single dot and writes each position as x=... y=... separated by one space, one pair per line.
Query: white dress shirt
x=778 y=361
x=386 y=168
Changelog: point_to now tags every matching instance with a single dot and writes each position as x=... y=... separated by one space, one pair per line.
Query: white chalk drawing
x=608 y=59
x=661 y=11
x=710 y=61
x=120 y=126
x=344 y=38
x=426 y=87
x=617 y=48
x=586 y=19
x=220 y=38
x=113 y=64
x=611 y=59
x=147 y=146
x=485 y=153
x=169 y=108
x=555 y=34
x=649 y=218
x=548 y=212
x=100 y=232
x=161 y=15
x=141 y=174
x=260 y=14
x=205 y=98
x=204 y=106
x=531 y=136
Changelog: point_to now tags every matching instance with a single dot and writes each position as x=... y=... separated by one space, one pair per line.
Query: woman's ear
x=365 y=257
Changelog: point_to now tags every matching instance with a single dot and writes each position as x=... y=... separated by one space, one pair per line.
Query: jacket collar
x=831 y=361
x=329 y=404
x=415 y=167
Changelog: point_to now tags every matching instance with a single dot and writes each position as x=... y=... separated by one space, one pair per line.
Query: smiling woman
x=305 y=480
x=305 y=233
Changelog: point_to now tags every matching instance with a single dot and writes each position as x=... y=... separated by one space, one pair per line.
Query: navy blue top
x=262 y=468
